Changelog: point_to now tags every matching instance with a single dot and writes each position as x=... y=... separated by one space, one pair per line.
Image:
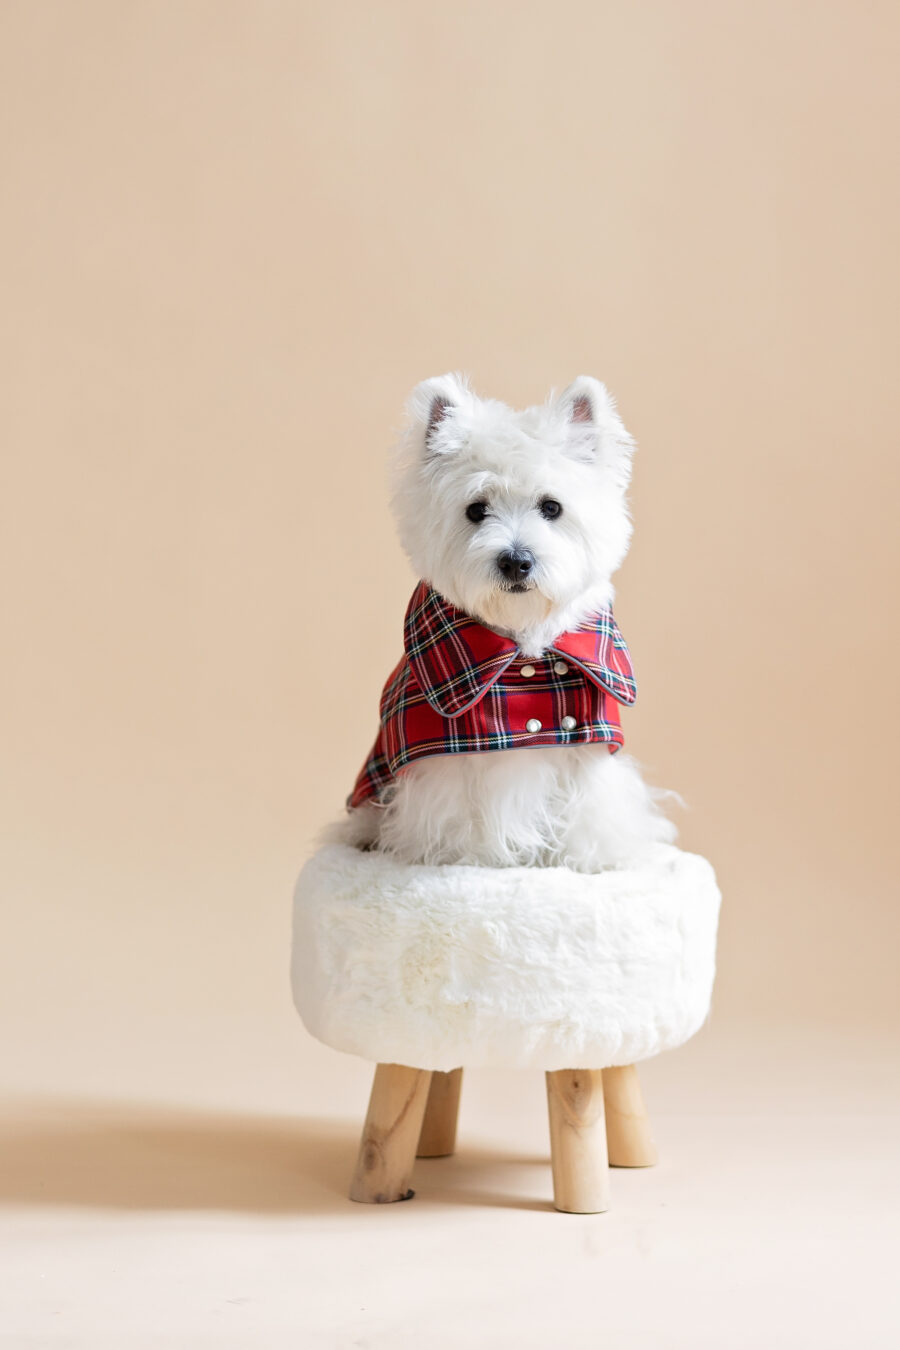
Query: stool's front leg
x=578 y=1141
x=387 y=1150
x=628 y=1135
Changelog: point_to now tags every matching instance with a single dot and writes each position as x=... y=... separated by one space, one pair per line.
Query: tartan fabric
x=460 y=689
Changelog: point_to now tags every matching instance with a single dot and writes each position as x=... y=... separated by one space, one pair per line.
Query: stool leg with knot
x=597 y=1120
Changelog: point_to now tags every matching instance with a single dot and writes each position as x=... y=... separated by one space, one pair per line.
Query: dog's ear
x=430 y=410
x=594 y=431
x=583 y=405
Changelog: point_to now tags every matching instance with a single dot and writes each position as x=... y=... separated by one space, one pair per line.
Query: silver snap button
x=568 y=723
x=560 y=668
x=532 y=724
x=528 y=671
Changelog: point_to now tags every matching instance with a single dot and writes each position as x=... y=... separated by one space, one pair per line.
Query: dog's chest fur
x=550 y=806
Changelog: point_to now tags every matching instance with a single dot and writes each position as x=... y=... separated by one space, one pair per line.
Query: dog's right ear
x=594 y=430
x=430 y=409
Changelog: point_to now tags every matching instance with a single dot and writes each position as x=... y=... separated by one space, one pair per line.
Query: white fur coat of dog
x=518 y=518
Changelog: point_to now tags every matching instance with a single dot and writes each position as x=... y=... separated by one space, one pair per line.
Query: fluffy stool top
x=545 y=968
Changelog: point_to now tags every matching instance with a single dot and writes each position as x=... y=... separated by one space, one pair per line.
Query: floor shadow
x=109 y=1156
x=144 y=1157
x=486 y=1178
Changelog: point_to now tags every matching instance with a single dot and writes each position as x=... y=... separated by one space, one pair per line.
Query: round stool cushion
x=436 y=967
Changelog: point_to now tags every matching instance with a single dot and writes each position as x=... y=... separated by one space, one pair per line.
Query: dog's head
x=518 y=518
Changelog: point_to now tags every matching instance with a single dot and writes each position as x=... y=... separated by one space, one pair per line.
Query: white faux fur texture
x=546 y=968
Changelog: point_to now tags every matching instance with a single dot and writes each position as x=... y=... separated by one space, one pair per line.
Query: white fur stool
x=435 y=967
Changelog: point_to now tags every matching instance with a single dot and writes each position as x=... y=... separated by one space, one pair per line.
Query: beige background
x=233 y=236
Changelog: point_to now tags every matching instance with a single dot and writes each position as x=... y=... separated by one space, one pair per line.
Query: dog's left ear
x=431 y=405
x=594 y=430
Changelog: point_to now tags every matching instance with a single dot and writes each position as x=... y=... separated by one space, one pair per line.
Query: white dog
x=499 y=722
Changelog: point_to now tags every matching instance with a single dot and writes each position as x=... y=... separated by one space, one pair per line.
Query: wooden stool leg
x=438 y=1137
x=628 y=1135
x=578 y=1141
x=387 y=1150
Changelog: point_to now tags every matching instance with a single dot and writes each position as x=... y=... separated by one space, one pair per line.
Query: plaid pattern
x=460 y=689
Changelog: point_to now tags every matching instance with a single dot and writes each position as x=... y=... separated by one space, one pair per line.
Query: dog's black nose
x=516 y=564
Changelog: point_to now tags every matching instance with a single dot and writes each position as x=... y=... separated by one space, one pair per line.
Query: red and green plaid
x=461 y=688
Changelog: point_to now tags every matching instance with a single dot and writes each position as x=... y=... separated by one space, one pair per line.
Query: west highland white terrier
x=500 y=730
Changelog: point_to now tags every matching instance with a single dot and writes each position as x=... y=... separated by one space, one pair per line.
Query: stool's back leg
x=438 y=1137
x=628 y=1135
x=578 y=1141
x=387 y=1150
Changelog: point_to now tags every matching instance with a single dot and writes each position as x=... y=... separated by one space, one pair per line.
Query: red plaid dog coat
x=461 y=688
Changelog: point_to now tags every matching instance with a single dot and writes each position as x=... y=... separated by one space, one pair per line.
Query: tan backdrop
x=233 y=236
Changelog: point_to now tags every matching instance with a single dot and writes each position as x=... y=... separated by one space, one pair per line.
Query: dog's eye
x=476 y=512
x=550 y=509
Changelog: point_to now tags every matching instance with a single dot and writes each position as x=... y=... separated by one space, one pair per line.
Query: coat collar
x=455 y=659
